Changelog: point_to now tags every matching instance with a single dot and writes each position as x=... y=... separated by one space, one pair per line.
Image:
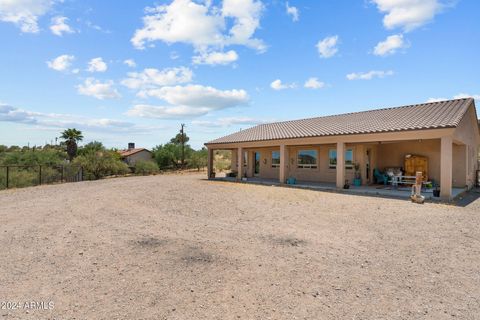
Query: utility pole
x=182 y=141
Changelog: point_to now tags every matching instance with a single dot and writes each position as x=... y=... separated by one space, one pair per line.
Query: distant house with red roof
x=131 y=155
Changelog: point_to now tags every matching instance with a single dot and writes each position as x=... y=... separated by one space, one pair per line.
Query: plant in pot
x=357 y=181
x=436 y=190
x=346 y=185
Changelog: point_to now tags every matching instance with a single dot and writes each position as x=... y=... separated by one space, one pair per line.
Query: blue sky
x=124 y=71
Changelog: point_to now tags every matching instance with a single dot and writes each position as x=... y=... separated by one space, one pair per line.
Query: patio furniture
x=414 y=164
x=380 y=177
x=409 y=180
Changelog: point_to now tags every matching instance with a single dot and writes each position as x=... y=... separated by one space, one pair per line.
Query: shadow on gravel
x=468 y=197
x=287 y=241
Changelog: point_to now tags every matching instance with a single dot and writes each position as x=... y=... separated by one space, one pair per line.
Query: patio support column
x=210 y=163
x=240 y=163
x=446 y=168
x=340 y=164
x=233 y=165
x=283 y=163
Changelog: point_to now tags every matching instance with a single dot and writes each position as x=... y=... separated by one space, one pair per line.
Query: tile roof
x=129 y=152
x=442 y=114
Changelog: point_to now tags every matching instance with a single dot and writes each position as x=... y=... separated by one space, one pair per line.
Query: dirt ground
x=180 y=247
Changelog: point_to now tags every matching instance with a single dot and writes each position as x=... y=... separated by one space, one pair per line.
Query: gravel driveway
x=180 y=247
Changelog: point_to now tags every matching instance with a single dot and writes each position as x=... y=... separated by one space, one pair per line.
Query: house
x=446 y=133
x=131 y=155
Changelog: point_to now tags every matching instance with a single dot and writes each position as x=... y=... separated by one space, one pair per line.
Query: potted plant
x=357 y=181
x=346 y=185
x=212 y=175
x=436 y=190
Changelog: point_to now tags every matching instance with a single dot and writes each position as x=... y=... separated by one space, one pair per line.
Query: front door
x=256 y=169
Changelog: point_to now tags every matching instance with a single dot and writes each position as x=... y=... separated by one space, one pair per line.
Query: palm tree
x=71 y=137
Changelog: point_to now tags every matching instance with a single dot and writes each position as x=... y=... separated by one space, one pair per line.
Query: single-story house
x=445 y=133
x=131 y=155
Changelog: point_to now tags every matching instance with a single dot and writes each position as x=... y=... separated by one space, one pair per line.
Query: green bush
x=99 y=164
x=145 y=167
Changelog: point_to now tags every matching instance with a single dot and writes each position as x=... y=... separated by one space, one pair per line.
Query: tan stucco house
x=131 y=155
x=446 y=133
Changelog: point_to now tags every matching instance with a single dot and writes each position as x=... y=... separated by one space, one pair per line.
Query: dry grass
x=179 y=247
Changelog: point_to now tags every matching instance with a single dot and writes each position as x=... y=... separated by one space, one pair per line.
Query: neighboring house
x=445 y=132
x=131 y=155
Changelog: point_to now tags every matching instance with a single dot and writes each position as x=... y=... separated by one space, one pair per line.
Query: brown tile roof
x=442 y=114
x=129 y=152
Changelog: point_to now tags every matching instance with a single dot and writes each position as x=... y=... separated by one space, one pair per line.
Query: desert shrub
x=145 y=167
x=99 y=164
x=223 y=160
x=198 y=159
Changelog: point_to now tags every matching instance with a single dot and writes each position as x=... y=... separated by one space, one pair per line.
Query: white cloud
x=130 y=62
x=61 y=63
x=229 y=121
x=313 y=83
x=466 y=95
x=201 y=24
x=97 y=65
x=278 y=85
x=292 y=11
x=100 y=90
x=390 y=45
x=188 y=101
x=328 y=47
x=53 y=120
x=408 y=14
x=151 y=78
x=59 y=26
x=369 y=75
x=436 y=99
x=24 y=13
x=213 y=58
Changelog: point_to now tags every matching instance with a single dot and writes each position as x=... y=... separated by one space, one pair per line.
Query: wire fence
x=27 y=176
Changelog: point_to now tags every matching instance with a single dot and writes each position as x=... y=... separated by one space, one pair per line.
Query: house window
x=275 y=159
x=307 y=159
x=332 y=158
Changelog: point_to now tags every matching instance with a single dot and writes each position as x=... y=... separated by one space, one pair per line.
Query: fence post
x=40 y=175
x=61 y=179
x=8 y=175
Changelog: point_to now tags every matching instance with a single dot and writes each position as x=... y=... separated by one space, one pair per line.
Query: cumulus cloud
x=59 y=26
x=314 y=83
x=97 y=89
x=24 y=13
x=279 y=85
x=202 y=25
x=130 y=62
x=369 y=75
x=188 y=101
x=436 y=99
x=229 y=121
x=408 y=14
x=390 y=45
x=213 y=58
x=152 y=78
x=61 y=63
x=97 y=65
x=467 y=95
x=292 y=11
x=328 y=47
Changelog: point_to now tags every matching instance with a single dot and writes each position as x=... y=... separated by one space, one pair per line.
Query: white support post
x=446 y=168
x=340 y=164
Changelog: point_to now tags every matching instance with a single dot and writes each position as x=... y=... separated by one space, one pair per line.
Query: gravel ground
x=180 y=247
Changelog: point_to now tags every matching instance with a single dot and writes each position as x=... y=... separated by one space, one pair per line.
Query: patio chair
x=380 y=177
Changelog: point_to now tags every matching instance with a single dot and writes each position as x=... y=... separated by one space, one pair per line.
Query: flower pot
x=436 y=193
x=357 y=182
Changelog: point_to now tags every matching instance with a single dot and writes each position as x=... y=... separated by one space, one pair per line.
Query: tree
x=198 y=159
x=98 y=164
x=71 y=137
x=180 y=139
x=93 y=146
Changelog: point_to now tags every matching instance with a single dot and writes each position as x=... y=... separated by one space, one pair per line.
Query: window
x=275 y=159
x=307 y=159
x=332 y=158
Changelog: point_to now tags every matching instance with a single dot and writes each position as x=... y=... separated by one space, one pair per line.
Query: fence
x=26 y=176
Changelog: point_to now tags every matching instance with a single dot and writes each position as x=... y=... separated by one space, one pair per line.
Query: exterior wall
x=320 y=174
x=142 y=155
x=393 y=155
x=467 y=133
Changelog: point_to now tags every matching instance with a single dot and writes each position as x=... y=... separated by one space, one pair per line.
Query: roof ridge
x=365 y=111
